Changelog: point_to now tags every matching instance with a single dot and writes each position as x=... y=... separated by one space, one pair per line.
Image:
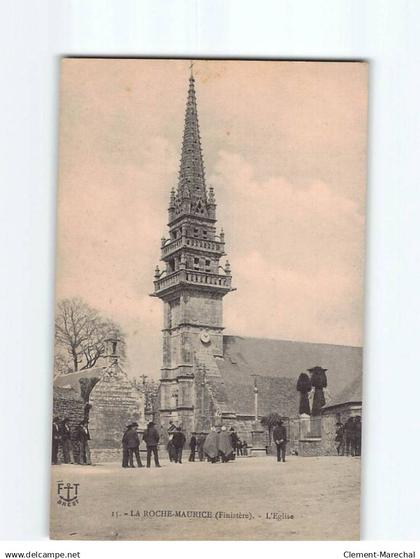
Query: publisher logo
x=68 y=494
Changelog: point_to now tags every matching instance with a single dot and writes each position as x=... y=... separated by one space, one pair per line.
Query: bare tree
x=81 y=332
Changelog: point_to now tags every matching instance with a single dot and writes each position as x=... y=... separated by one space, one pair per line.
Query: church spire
x=191 y=196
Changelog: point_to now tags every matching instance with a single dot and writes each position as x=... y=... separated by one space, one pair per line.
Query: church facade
x=207 y=377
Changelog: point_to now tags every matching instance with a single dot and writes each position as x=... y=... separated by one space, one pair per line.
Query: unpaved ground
x=321 y=493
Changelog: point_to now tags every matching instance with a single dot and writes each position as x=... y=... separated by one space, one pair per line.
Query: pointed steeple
x=191 y=196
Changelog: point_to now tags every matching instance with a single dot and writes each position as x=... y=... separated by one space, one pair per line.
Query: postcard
x=209 y=300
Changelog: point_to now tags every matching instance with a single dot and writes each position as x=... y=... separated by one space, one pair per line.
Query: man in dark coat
x=151 y=438
x=125 y=447
x=280 y=438
x=83 y=436
x=200 y=443
x=170 y=447
x=133 y=445
x=349 y=436
x=339 y=438
x=193 y=446
x=178 y=441
x=234 y=440
x=67 y=442
x=239 y=447
x=56 y=439
x=357 y=435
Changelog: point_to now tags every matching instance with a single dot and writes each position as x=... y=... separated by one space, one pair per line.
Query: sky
x=284 y=147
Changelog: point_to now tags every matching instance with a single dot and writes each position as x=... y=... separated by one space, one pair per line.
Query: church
x=208 y=377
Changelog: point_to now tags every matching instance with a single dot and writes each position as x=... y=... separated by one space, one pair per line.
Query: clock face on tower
x=205 y=338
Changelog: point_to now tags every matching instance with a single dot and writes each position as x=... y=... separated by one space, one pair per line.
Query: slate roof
x=351 y=394
x=278 y=364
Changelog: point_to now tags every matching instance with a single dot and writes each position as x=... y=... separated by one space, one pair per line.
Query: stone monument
x=115 y=402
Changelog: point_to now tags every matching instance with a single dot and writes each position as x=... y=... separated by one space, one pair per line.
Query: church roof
x=351 y=394
x=278 y=364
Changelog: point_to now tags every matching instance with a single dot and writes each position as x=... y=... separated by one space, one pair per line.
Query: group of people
x=131 y=445
x=348 y=437
x=63 y=437
x=218 y=445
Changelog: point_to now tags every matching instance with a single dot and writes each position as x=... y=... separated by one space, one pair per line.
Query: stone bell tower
x=192 y=283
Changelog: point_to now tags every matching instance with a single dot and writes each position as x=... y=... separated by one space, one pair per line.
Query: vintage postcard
x=209 y=314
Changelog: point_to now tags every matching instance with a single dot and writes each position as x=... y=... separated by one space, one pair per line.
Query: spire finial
x=191 y=69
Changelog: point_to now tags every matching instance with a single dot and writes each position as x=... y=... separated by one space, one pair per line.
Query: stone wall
x=198 y=305
x=302 y=431
x=311 y=447
x=67 y=403
x=115 y=403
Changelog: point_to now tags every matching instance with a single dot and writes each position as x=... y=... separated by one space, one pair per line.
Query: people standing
x=210 y=446
x=133 y=446
x=67 y=442
x=339 y=438
x=193 y=446
x=170 y=447
x=245 y=448
x=225 y=445
x=56 y=439
x=151 y=438
x=200 y=443
x=349 y=436
x=125 y=447
x=239 y=447
x=357 y=435
x=234 y=439
x=280 y=438
x=178 y=441
x=83 y=436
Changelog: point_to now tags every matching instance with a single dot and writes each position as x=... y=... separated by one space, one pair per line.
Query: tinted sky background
x=284 y=146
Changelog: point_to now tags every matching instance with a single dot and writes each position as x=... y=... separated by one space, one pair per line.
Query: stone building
x=106 y=396
x=208 y=377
